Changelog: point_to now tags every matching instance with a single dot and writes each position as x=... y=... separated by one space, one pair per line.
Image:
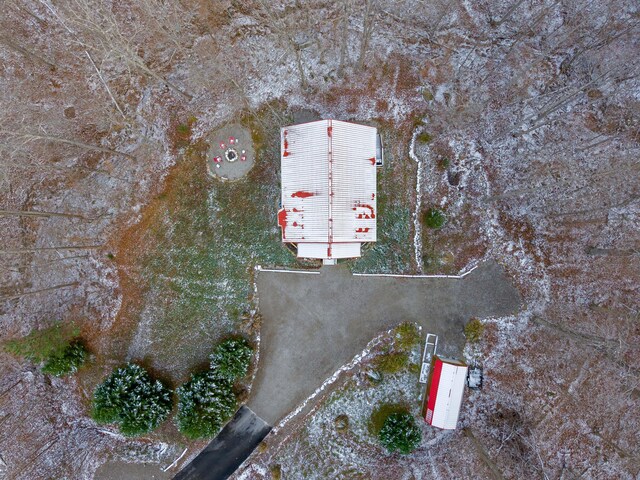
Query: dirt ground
x=520 y=120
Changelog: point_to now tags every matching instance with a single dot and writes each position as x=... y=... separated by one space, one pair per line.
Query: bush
x=407 y=336
x=130 y=397
x=205 y=403
x=424 y=137
x=400 y=433
x=57 y=347
x=392 y=362
x=473 y=330
x=67 y=361
x=40 y=345
x=231 y=359
x=434 y=218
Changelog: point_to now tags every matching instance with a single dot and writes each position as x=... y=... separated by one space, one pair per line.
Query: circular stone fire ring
x=231 y=155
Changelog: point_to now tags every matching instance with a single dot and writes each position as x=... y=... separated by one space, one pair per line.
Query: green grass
x=391 y=363
x=40 y=345
x=205 y=240
x=392 y=252
x=406 y=336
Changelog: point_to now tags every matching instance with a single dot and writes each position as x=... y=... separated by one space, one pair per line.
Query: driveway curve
x=314 y=324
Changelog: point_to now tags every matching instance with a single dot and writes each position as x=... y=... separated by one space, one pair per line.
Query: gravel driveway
x=314 y=324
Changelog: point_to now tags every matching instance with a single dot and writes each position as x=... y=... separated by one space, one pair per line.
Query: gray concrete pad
x=240 y=152
x=314 y=324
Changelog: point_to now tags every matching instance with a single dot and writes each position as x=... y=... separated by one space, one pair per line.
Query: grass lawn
x=393 y=252
x=190 y=260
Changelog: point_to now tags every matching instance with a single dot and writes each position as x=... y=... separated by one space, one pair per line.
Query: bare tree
x=295 y=43
x=344 y=37
x=368 y=22
x=32 y=136
x=96 y=28
x=28 y=53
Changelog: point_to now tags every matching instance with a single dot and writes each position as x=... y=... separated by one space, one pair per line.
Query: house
x=444 y=392
x=328 y=188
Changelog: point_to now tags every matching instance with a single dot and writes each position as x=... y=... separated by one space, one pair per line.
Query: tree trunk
x=344 y=39
x=40 y=249
x=367 y=30
x=27 y=53
x=34 y=292
x=32 y=213
x=86 y=146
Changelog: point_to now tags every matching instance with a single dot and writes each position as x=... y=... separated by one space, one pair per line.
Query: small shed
x=328 y=188
x=444 y=393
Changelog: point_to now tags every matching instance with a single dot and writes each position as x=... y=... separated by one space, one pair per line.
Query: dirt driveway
x=314 y=324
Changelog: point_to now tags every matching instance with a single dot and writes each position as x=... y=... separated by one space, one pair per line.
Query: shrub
x=424 y=137
x=276 y=472
x=67 y=361
x=56 y=346
x=341 y=423
x=392 y=362
x=131 y=398
x=40 y=345
x=400 y=433
x=407 y=336
x=205 y=403
x=231 y=359
x=443 y=163
x=434 y=218
x=184 y=130
x=380 y=414
x=473 y=330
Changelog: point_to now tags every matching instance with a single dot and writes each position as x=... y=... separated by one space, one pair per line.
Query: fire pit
x=231 y=155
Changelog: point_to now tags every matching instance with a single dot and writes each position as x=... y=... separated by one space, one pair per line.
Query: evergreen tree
x=130 y=397
x=57 y=347
x=231 y=359
x=434 y=218
x=400 y=433
x=205 y=403
x=66 y=361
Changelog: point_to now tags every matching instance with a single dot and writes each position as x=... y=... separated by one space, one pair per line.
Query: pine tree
x=130 y=397
x=231 y=359
x=66 y=361
x=205 y=403
x=400 y=433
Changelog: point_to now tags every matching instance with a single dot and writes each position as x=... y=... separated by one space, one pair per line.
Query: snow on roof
x=445 y=393
x=328 y=187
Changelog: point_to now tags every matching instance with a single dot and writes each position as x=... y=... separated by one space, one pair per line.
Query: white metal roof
x=328 y=186
x=445 y=394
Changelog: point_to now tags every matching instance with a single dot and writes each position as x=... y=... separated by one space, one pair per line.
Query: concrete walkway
x=314 y=324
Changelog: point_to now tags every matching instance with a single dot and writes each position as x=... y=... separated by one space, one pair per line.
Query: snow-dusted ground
x=534 y=104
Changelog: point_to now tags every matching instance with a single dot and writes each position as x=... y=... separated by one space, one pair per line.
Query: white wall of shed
x=449 y=398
